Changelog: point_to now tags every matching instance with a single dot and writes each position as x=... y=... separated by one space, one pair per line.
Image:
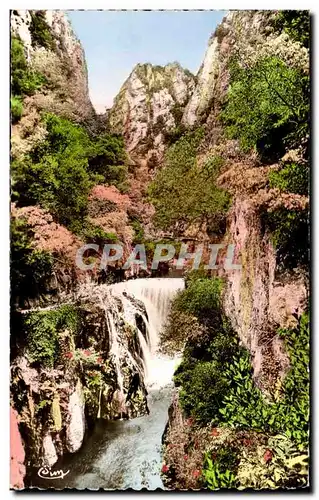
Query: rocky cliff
x=53 y=51
x=239 y=30
x=150 y=103
x=93 y=370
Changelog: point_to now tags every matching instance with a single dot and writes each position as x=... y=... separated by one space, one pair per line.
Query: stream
x=124 y=454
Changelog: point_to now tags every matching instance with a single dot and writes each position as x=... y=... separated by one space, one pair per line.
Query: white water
x=125 y=454
x=156 y=295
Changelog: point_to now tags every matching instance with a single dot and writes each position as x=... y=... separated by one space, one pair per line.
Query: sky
x=114 y=42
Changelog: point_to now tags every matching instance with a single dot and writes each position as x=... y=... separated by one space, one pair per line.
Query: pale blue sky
x=114 y=42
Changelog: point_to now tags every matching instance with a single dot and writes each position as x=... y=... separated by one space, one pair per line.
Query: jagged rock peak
x=150 y=102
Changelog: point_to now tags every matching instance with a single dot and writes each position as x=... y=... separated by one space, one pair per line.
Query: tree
x=183 y=192
x=55 y=173
x=267 y=104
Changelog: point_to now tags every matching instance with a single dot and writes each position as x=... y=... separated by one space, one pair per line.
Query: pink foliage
x=111 y=193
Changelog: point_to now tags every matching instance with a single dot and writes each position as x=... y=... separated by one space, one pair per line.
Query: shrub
x=30 y=269
x=289 y=231
x=184 y=193
x=220 y=471
x=107 y=158
x=40 y=30
x=94 y=234
x=24 y=81
x=16 y=108
x=55 y=173
x=200 y=298
x=245 y=407
x=292 y=178
x=296 y=23
x=203 y=388
x=43 y=329
x=267 y=104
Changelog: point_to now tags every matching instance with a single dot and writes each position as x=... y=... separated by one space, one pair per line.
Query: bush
x=220 y=471
x=108 y=159
x=267 y=106
x=30 y=269
x=292 y=178
x=182 y=192
x=55 y=173
x=200 y=298
x=40 y=31
x=216 y=376
x=203 y=388
x=24 y=81
x=43 y=329
x=16 y=108
x=289 y=230
x=245 y=407
x=94 y=234
x=296 y=23
x=58 y=172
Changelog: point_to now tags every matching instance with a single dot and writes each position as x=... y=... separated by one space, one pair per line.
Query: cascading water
x=156 y=295
x=125 y=454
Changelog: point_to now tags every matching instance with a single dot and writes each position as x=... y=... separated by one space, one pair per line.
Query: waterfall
x=156 y=295
x=142 y=306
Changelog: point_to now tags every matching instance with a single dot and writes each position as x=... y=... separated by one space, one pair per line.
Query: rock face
x=76 y=428
x=150 y=103
x=260 y=298
x=99 y=373
x=238 y=28
x=62 y=63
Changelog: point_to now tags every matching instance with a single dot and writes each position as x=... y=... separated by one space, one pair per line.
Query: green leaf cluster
x=291 y=178
x=30 y=269
x=289 y=233
x=267 y=106
x=183 y=192
x=43 y=329
x=296 y=23
x=59 y=172
x=41 y=35
x=220 y=471
x=245 y=407
x=24 y=81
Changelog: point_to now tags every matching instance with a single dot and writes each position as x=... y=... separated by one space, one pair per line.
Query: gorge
x=135 y=377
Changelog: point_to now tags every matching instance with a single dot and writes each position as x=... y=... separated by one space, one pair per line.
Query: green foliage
x=290 y=236
x=287 y=468
x=138 y=231
x=296 y=23
x=30 y=269
x=200 y=297
x=108 y=159
x=184 y=193
x=43 y=329
x=55 y=173
x=94 y=234
x=24 y=81
x=266 y=105
x=203 y=387
x=215 y=374
x=16 y=108
x=59 y=172
x=244 y=406
x=291 y=178
x=220 y=471
x=40 y=31
x=200 y=373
